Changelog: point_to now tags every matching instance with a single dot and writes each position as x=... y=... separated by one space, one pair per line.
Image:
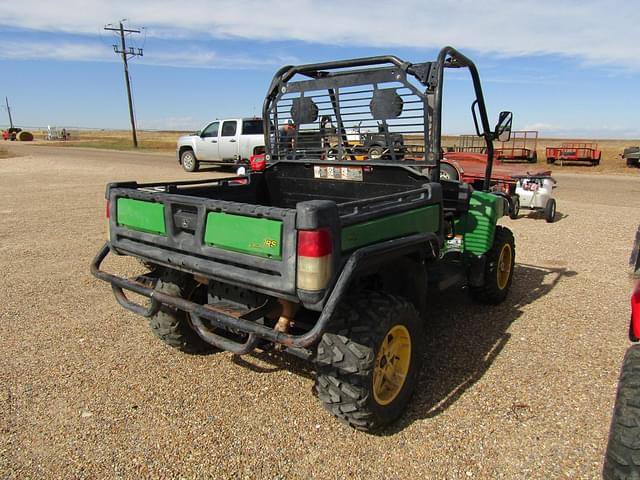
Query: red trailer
x=521 y=147
x=574 y=152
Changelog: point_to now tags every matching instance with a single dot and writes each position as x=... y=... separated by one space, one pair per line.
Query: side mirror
x=503 y=128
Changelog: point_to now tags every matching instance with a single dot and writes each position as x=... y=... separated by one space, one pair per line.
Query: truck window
x=211 y=130
x=229 y=128
x=252 y=127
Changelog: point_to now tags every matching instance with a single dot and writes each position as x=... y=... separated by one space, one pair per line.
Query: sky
x=565 y=68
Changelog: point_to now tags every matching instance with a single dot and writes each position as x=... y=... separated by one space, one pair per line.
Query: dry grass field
x=166 y=141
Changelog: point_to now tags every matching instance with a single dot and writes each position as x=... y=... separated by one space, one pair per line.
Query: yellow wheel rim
x=504 y=266
x=392 y=365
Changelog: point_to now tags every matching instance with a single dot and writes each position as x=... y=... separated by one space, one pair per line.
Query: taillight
x=315 y=248
x=257 y=162
x=635 y=311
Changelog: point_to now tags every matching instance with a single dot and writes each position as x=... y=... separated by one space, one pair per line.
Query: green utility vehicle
x=326 y=257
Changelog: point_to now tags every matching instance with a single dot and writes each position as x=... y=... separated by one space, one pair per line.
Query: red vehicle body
x=574 y=152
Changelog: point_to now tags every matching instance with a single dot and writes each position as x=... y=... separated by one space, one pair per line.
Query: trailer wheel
x=514 y=211
x=448 y=172
x=550 y=210
x=188 y=160
x=498 y=273
x=173 y=326
x=621 y=457
x=534 y=158
x=368 y=366
x=551 y=160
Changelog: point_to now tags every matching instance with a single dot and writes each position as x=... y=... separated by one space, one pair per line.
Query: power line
x=126 y=54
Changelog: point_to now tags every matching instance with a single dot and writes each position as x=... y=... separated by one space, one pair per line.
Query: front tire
x=622 y=459
x=189 y=161
x=368 y=366
x=498 y=274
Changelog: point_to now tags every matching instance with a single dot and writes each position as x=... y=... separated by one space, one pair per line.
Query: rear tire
x=368 y=365
x=550 y=210
x=188 y=160
x=622 y=457
x=173 y=326
x=498 y=273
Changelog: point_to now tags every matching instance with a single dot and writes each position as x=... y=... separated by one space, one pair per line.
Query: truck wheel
x=515 y=209
x=448 y=172
x=550 y=210
x=189 y=162
x=621 y=457
x=368 y=368
x=173 y=326
x=375 y=153
x=498 y=273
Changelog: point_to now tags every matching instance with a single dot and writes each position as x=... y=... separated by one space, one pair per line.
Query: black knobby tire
x=498 y=272
x=515 y=208
x=189 y=161
x=550 y=210
x=347 y=357
x=448 y=172
x=173 y=326
x=622 y=457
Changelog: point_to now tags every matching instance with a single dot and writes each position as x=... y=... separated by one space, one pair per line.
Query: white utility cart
x=535 y=192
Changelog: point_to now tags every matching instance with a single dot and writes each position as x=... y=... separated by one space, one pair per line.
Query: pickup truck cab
x=221 y=141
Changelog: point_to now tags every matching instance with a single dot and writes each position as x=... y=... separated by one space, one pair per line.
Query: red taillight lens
x=257 y=162
x=635 y=311
x=108 y=212
x=314 y=259
x=314 y=243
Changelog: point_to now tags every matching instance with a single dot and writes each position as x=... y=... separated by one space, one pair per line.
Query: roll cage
x=318 y=111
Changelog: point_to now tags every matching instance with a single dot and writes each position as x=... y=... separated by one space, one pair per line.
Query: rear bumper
x=246 y=323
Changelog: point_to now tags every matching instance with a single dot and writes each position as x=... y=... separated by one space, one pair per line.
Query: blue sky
x=566 y=68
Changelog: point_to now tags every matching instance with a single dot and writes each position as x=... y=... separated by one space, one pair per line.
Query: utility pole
x=8 y=111
x=131 y=52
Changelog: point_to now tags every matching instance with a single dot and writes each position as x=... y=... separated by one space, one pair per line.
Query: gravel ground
x=524 y=390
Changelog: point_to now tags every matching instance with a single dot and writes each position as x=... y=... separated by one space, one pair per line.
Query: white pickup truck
x=222 y=141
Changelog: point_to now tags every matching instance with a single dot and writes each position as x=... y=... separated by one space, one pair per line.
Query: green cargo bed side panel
x=424 y=219
x=478 y=225
x=140 y=215
x=254 y=236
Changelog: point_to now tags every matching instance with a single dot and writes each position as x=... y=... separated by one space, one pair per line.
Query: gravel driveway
x=524 y=390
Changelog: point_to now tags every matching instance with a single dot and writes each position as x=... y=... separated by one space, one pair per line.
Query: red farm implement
x=520 y=148
x=574 y=152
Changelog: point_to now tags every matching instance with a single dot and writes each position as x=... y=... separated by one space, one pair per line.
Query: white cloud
x=596 y=31
x=58 y=51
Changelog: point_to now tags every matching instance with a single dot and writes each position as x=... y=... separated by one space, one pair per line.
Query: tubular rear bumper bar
x=246 y=323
